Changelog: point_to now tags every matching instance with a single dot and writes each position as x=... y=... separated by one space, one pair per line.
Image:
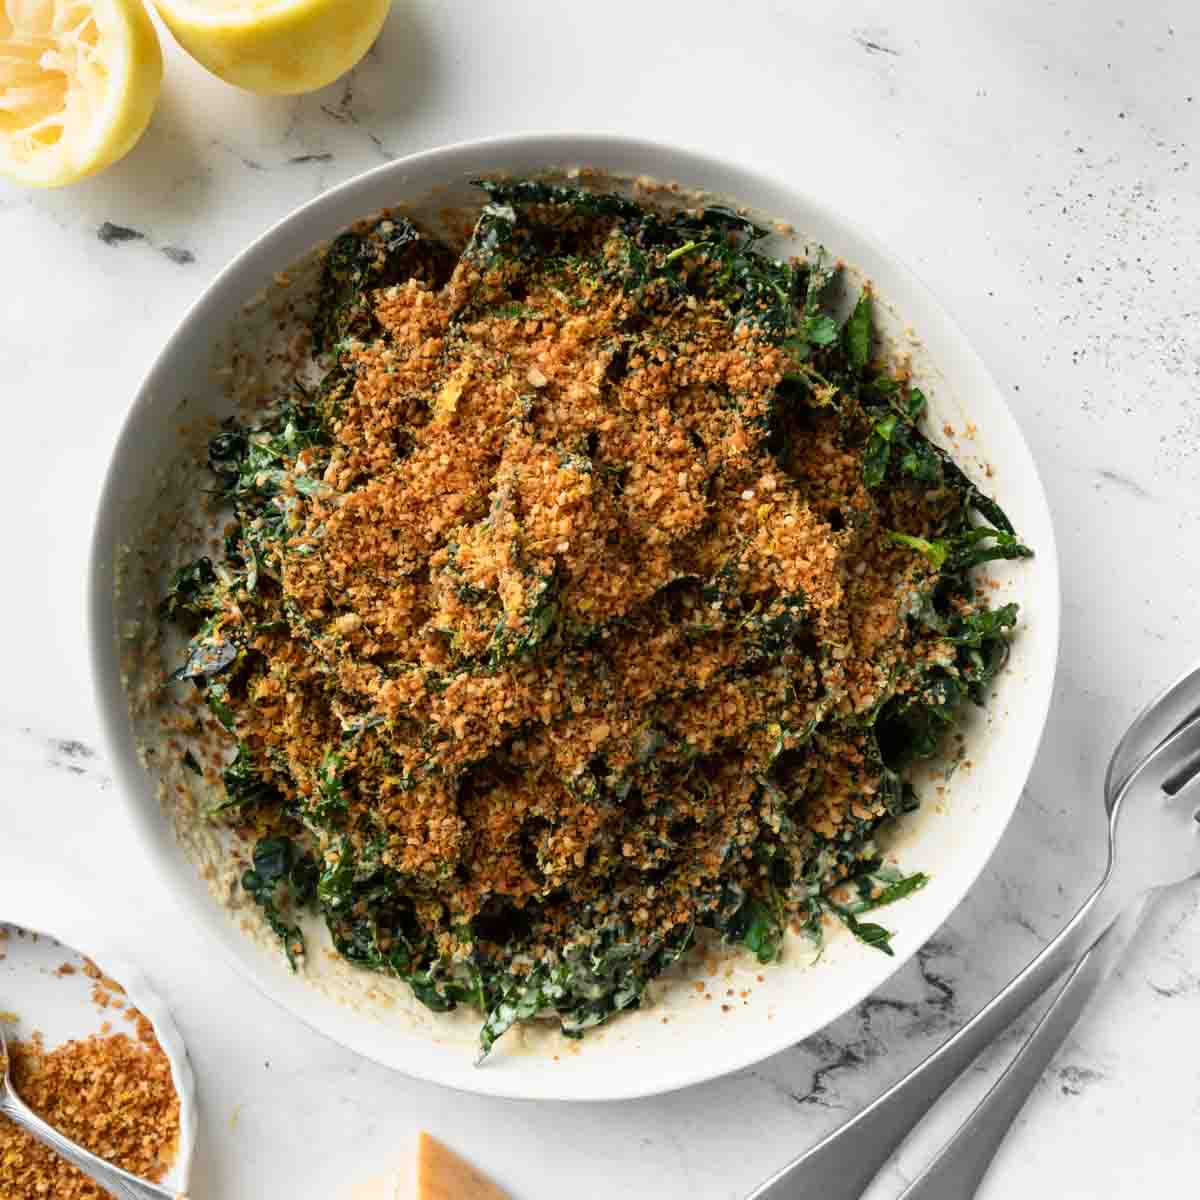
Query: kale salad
x=600 y=588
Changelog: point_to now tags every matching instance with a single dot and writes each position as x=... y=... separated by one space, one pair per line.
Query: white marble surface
x=1035 y=161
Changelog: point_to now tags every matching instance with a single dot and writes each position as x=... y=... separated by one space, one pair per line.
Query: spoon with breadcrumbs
x=120 y=1183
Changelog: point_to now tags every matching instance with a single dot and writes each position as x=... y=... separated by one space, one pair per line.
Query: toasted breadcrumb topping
x=114 y=1095
x=485 y=471
x=571 y=609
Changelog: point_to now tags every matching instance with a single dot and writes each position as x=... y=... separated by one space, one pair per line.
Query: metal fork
x=964 y=1160
x=1152 y=843
x=961 y=1164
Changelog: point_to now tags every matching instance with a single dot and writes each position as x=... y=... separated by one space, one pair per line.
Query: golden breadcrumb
x=113 y=1095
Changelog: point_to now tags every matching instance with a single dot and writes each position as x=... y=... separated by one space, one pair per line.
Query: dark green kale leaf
x=774 y=630
x=254 y=469
x=813 y=331
x=331 y=788
x=707 y=252
x=877 y=887
x=867 y=932
x=531 y=221
x=981 y=544
x=816 y=276
x=245 y=784
x=758 y=926
x=541 y=616
x=981 y=626
x=248 y=461
x=982 y=640
x=357 y=264
x=189 y=596
x=936 y=551
x=973 y=498
x=209 y=653
x=590 y=983
x=714 y=257
x=282 y=880
x=373 y=923
x=895 y=433
x=897 y=454
x=878 y=451
x=858 y=333
x=227 y=452
x=194 y=595
x=216 y=696
x=532 y=191
x=910 y=727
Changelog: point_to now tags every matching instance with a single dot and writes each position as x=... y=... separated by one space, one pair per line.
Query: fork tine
x=1186 y=794
x=1178 y=780
x=1163 y=776
x=1173 y=764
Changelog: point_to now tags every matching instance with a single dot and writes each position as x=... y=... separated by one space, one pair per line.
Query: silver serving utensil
x=1147 y=849
x=120 y=1183
x=1175 y=706
x=963 y=1161
x=961 y=1164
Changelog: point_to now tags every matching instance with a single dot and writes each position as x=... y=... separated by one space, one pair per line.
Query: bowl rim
x=584 y=147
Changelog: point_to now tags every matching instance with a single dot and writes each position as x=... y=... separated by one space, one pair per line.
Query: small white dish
x=715 y=1029
x=43 y=982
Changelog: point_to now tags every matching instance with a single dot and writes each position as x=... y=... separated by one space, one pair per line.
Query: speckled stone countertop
x=1036 y=163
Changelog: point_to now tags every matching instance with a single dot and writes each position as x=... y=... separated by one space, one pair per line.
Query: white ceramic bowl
x=951 y=837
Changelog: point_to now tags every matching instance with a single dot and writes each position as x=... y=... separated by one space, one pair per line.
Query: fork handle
x=121 y=1184
x=961 y=1164
x=841 y=1166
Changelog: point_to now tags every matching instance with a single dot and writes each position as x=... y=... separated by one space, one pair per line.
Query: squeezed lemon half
x=280 y=47
x=79 y=80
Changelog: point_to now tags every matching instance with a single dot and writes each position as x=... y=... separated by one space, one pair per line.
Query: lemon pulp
x=79 y=80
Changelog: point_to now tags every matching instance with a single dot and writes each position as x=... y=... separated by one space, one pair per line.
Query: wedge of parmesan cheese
x=442 y=1175
x=434 y=1172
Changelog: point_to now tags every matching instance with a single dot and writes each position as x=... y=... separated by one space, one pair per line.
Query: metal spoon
x=120 y=1183
x=1157 y=846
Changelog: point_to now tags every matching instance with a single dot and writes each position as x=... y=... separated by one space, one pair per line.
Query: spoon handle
x=841 y=1166
x=120 y=1183
x=961 y=1164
